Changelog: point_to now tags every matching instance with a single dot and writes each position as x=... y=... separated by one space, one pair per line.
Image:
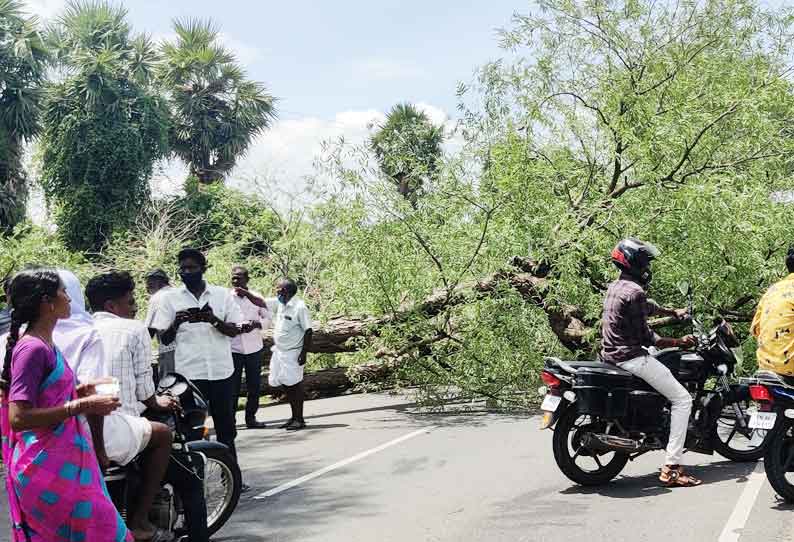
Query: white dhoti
x=125 y=436
x=284 y=368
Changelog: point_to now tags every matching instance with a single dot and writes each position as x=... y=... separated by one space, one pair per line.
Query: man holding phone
x=201 y=320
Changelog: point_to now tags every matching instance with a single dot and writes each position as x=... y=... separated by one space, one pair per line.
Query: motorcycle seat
x=572 y=366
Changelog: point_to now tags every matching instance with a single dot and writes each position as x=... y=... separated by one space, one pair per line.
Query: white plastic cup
x=109 y=389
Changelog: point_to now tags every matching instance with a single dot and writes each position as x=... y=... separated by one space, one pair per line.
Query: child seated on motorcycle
x=127 y=434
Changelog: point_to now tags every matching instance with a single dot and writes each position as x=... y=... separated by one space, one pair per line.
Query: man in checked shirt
x=626 y=337
x=127 y=433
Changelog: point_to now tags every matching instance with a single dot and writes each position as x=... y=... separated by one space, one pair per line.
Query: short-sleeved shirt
x=624 y=325
x=248 y=343
x=151 y=310
x=773 y=326
x=129 y=355
x=31 y=362
x=202 y=352
x=290 y=323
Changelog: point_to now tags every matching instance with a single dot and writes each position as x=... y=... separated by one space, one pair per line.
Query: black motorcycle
x=603 y=416
x=775 y=396
x=199 y=464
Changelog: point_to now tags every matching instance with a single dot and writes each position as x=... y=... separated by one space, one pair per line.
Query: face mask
x=282 y=298
x=646 y=277
x=192 y=279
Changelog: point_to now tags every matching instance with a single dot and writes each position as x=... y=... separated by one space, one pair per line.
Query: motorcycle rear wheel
x=568 y=449
x=222 y=487
x=779 y=461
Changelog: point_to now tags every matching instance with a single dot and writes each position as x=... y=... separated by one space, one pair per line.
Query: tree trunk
x=529 y=278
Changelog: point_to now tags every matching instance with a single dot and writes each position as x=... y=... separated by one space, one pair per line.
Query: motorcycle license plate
x=550 y=403
x=762 y=420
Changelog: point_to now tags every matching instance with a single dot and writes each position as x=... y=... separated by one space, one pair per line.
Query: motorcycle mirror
x=178 y=389
x=167 y=381
x=685 y=288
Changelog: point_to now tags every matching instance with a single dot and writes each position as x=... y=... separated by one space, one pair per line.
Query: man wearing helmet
x=626 y=337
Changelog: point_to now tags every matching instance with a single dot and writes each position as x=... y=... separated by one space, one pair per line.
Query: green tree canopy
x=216 y=111
x=104 y=127
x=23 y=60
x=408 y=149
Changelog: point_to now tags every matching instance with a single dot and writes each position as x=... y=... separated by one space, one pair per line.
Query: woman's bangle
x=70 y=406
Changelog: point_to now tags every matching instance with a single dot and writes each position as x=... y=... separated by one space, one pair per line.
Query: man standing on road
x=248 y=348
x=773 y=324
x=157 y=285
x=292 y=337
x=201 y=319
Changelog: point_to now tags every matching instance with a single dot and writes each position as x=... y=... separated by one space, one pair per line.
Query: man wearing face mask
x=292 y=337
x=201 y=319
x=626 y=338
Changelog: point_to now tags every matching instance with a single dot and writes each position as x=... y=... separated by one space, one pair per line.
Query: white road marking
x=744 y=505
x=342 y=463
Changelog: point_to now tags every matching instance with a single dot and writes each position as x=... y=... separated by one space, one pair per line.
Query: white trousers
x=662 y=380
x=284 y=368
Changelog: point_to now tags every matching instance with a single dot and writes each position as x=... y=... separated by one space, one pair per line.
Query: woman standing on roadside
x=55 y=487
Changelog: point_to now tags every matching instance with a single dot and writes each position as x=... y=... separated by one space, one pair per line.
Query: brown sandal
x=673 y=476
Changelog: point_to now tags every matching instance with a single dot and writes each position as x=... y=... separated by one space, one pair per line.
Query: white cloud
x=45 y=8
x=286 y=153
x=384 y=69
x=246 y=54
x=284 y=156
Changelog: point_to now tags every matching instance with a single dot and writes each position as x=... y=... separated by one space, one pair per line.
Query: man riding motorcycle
x=627 y=336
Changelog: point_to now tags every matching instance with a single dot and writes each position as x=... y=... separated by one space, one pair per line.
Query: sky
x=335 y=67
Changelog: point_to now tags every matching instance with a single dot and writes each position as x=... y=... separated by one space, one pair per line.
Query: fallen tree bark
x=529 y=278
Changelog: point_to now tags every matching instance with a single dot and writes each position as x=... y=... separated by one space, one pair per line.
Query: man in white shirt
x=248 y=348
x=202 y=319
x=292 y=337
x=157 y=284
x=126 y=433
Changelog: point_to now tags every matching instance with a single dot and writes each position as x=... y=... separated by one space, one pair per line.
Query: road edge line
x=741 y=512
x=342 y=463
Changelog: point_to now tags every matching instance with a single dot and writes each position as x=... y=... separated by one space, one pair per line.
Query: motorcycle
x=206 y=462
x=775 y=396
x=603 y=416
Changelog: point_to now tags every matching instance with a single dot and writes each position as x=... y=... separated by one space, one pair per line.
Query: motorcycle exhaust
x=599 y=442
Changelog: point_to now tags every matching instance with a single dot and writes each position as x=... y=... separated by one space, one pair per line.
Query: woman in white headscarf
x=80 y=344
x=76 y=337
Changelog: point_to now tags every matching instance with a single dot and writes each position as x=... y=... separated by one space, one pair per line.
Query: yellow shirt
x=773 y=326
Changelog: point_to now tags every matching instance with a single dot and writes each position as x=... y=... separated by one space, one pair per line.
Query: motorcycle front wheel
x=779 y=462
x=222 y=487
x=739 y=444
x=578 y=463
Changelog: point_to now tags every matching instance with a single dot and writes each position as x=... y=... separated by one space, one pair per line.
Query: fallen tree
x=530 y=279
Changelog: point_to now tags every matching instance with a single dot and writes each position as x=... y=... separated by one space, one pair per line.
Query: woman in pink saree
x=56 y=491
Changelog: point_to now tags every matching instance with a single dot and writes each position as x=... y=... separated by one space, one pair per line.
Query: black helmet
x=634 y=257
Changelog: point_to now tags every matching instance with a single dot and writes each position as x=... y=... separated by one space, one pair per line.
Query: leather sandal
x=674 y=476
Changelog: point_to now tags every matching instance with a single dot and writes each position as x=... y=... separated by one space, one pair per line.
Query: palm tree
x=23 y=60
x=216 y=111
x=104 y=123
x=408 y=149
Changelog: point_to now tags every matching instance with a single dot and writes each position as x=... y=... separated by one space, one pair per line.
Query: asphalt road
x=375 y=467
